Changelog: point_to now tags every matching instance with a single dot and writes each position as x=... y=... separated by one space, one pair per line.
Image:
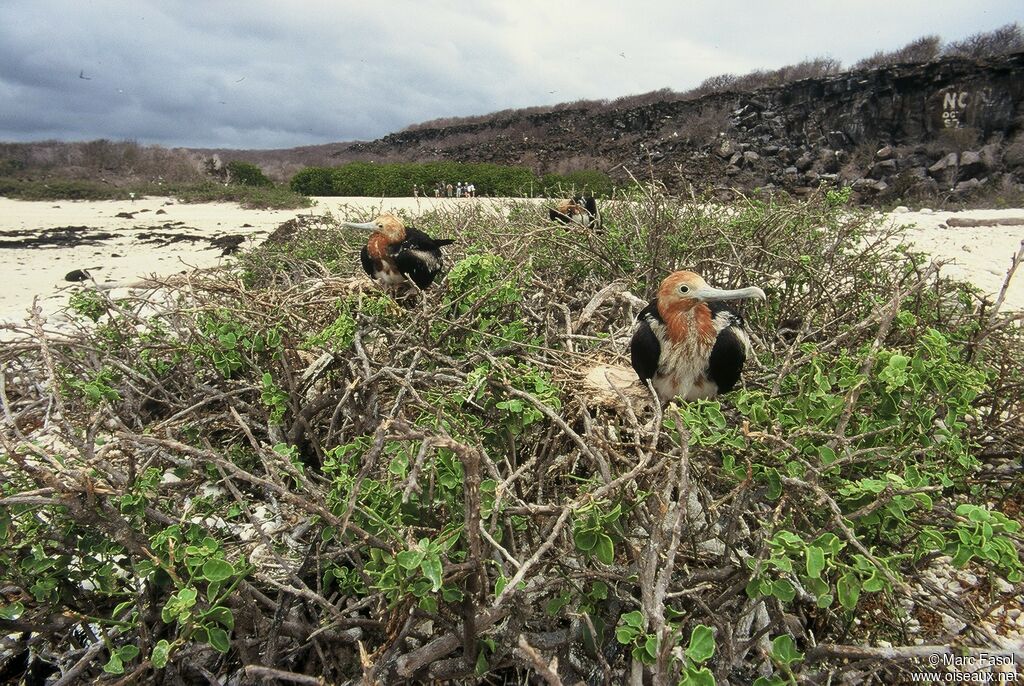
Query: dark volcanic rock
x=62 y=237
x=848 y=124
x=882 y=169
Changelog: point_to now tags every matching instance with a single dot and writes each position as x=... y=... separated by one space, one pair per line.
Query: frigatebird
x=688 y=343
x=579 y=210
x=396 y=252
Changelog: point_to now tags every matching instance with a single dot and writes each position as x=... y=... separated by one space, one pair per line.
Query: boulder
x=943 y=167
x=882 y=169
x=884 y=153
x=869 y=186
x=971 y=165
x=968 y=186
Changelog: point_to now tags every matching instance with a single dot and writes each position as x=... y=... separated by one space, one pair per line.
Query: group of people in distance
x=446 y=190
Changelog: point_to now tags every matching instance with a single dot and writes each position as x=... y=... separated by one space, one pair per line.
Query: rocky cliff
x=950 y=126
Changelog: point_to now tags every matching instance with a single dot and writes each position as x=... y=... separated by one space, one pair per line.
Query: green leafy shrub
x=279 y=458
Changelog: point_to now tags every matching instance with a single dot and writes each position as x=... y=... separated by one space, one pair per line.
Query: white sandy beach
x=143 y=244
x=979 y=254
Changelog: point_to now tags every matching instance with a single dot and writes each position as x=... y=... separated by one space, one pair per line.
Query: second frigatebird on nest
x=396 y=253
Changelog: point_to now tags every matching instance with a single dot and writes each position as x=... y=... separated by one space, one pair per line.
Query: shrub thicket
x=247 y=174
x=397 y=179
x=279 y=467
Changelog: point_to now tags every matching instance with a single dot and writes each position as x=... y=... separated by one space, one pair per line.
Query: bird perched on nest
x=688 y=343
x=395 y=252
x=579 y=210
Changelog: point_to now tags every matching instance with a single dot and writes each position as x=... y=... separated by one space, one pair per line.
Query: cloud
x=271 y=74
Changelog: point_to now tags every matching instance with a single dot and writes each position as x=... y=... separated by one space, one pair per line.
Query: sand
x=978 y=254
x=143 y=245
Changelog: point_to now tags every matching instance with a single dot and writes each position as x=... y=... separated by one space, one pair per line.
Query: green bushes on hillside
x=371 y=179
x=247 y=174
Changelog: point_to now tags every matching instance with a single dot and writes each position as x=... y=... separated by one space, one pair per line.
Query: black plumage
x=644 y=349
x=687 y=342
x=396 y=253
x=579 y=210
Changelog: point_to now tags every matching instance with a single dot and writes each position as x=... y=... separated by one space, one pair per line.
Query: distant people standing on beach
x=449 y=189
x=458 y=190
x=471 y=190
x=438 y=189
x=415 y=191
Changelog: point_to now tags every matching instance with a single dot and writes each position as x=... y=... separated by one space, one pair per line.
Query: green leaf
x=634 y=619
x=702 y=643
x=128 y=652
x=848 y=590
x=499 y=584
x=625 y=634
x=217 y=570
x=783 y=590
x=784 y=650
x=585 y=540
x=815 y=561
x=219 y=639
x=114 y=665
x=409 y=559
x=830 y=543
x=697 y=677
x=432 y=569
x=605 y=549
x=161 y=652
x=16 y=609
x=651 y=646
x=222 y=616
x=874 y=583
x=481 y=663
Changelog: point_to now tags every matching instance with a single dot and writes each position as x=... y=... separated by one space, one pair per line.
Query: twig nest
x=609 y=385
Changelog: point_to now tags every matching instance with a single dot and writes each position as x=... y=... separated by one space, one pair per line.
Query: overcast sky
x=280 y=73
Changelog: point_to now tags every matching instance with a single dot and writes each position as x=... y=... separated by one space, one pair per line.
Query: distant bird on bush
x=579 y=210
x=688 y=343
x=395 y=252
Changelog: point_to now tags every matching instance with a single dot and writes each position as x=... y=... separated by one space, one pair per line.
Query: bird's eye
x=684 y=289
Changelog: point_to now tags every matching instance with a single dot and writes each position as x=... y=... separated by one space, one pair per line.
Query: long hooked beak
x=708 y=293
x=366 y=226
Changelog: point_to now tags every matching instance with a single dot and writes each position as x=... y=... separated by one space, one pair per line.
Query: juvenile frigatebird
x=688 y=343
x=396 y=252
x=579 y=210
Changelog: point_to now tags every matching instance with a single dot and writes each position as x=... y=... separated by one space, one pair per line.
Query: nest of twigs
x=278 y=472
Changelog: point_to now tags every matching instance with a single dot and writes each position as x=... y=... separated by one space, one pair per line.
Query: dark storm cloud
x=273 y=74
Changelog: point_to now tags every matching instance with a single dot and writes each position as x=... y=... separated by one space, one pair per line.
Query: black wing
x=645 y=349
x=418 y=240
x=419 y=256
x=591 y=206
x=594 y=221
x=729 y=352
x=364 y=257
x=420 y=266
